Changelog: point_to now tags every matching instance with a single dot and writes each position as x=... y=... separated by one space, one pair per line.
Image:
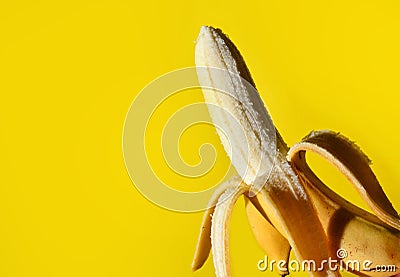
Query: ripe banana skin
x=293 y=209
x=275 y=245
x=363 y=235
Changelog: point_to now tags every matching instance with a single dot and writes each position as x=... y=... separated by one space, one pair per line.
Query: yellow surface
x=69 y=71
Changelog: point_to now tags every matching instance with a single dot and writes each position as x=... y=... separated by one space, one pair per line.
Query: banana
x=287 y=205
x=215 y=50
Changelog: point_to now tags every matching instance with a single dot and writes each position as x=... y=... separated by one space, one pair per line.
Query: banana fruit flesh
x=292 y=209
x=241 y=115
x=214 y=49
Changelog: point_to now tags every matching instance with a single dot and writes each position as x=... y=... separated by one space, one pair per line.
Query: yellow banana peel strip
x=365 y=236
x=347 y=157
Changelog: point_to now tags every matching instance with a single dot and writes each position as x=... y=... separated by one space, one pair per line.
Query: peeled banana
x=288 y=207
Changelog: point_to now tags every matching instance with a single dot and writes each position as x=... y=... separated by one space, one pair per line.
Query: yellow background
x=69 y=71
